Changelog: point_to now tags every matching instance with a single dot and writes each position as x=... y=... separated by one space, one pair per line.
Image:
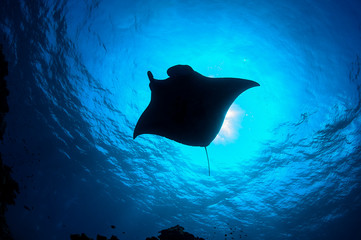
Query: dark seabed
x=286 y=164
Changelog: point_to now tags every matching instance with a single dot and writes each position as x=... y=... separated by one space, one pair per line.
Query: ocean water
x=286 y=164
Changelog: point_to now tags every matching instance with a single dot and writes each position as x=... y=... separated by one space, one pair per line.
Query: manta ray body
x=188 y=107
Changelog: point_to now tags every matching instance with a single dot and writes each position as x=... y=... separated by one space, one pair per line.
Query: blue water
x=286 y=164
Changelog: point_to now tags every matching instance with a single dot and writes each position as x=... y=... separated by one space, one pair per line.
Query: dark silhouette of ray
x=188 y=107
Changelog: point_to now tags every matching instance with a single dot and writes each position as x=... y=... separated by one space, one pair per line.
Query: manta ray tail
x=209 y=168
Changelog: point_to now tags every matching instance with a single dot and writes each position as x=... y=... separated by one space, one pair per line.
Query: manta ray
x=188 y=107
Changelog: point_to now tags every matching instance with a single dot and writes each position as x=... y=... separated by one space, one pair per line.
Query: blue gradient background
x=291 y=169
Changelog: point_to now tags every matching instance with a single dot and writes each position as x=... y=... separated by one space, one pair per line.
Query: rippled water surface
x=286 y=164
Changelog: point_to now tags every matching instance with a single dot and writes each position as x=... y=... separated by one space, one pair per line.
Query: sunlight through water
x=285 y=165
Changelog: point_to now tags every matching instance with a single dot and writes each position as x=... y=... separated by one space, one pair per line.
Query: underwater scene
x=284 y=162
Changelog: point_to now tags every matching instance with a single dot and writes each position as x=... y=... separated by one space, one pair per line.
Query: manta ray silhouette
x=188 y=107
